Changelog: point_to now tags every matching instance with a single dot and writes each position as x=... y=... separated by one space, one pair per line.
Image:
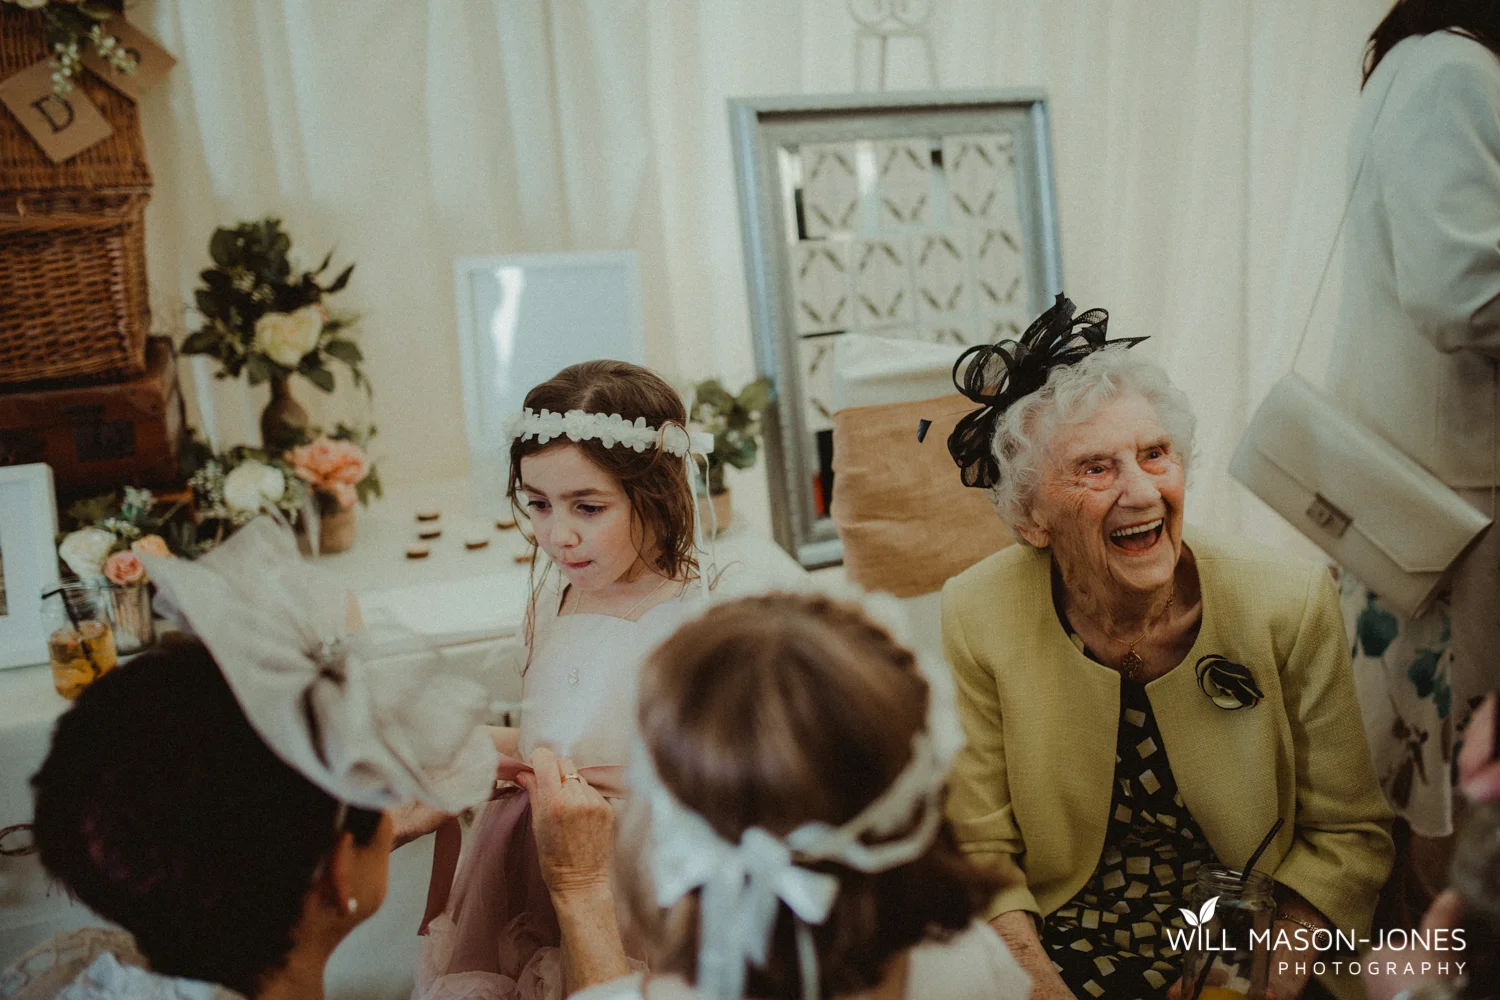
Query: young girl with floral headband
x=602 y=468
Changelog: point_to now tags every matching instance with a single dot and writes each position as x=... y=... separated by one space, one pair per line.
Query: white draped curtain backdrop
x=1199 y=150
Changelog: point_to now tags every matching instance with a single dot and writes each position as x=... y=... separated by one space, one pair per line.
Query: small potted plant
x=264 y=318
x=734 y=421
x=340 y=474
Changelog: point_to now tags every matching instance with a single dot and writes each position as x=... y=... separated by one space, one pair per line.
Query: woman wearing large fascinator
x=226 y=797
x=1101 y=773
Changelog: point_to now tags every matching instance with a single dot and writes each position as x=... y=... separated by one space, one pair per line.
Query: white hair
x=1071 y=395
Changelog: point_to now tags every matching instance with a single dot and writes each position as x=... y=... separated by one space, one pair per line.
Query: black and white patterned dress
x=1107 y=940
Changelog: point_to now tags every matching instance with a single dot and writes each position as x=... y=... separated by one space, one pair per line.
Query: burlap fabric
x=907 y=522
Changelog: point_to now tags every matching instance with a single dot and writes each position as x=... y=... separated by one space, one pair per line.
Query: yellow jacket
x=1030 y=794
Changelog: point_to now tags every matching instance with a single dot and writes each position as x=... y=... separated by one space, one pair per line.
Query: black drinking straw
x=1244 y=881
x=61 y=591
x=1254 y=857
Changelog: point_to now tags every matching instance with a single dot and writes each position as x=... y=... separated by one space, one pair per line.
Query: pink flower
x=332 y=467
x=124 y=568
x=151 y=545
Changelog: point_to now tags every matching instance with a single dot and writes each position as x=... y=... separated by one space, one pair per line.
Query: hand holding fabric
x=574 y=824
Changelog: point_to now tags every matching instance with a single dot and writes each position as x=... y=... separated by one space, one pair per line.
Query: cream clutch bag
x=1388 y=521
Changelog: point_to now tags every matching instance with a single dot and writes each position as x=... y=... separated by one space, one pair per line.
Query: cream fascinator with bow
x=371 y=718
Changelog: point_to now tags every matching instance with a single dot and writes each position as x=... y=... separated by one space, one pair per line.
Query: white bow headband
x=743 y=884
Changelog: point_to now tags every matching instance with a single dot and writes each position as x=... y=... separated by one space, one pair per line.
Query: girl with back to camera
x=785 y=837
x=600 y=465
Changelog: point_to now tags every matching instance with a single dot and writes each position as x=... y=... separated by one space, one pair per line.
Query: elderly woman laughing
x=1140 y=700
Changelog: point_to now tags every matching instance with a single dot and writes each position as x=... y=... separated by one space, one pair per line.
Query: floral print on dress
x=1403 y=671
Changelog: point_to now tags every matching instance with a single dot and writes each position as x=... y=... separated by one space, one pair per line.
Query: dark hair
x=160 y=808
x=780 y=710
x=656 y=481
x=1476 y=19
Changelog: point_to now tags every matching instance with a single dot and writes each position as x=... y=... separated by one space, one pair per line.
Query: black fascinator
x=999 y=374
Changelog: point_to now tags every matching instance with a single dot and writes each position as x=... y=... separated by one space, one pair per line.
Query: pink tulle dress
x=496 y=936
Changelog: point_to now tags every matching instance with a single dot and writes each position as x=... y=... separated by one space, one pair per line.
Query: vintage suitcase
x=101 y=437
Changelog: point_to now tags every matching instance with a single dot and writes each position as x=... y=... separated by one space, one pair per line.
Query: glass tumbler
x=80 y=638
x=130 y=617
x=1229 y=948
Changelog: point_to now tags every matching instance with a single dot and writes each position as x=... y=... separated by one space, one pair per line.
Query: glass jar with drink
x=1229 y=947
x=80 y=638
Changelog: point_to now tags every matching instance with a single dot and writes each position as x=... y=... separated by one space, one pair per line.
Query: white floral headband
x=744 y=884
x=610 y=429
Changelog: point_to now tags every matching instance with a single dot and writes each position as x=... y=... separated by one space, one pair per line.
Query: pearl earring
x=352 y=905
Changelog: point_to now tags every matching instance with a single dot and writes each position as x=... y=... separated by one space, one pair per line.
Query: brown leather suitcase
x=101 y=437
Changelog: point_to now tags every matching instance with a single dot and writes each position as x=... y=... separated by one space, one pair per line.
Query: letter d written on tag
x=56 y=110
x=63 y=127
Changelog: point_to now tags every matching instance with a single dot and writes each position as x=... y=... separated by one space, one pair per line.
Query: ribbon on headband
x=743 y=886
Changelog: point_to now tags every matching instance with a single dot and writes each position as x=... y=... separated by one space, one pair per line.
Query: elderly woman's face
x=1109 y=501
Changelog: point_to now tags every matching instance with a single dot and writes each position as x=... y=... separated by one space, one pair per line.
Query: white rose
x=286 y=338
x=252 y=482
x=85 y=550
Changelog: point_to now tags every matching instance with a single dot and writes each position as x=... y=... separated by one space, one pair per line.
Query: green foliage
x=253 y=275
x=734 y=421
x=132 y=514
x=68 y=27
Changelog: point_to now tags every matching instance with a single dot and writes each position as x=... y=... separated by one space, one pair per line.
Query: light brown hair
x=655 y=481
x=779 y=710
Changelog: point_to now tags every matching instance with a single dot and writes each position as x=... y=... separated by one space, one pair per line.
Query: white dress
x=497 y=937
x=974 y=965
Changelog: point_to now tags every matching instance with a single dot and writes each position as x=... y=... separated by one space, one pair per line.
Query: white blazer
x=1419 y=337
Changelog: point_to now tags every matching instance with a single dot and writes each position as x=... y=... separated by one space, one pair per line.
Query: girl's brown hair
x=661 y=497
x=780 y=710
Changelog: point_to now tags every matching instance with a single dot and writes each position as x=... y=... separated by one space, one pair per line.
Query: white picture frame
x=28 y=561
x=521 y=319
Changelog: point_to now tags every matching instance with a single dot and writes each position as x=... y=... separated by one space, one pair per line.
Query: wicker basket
x=73 y=299
x=119 y=161
x=73 y=294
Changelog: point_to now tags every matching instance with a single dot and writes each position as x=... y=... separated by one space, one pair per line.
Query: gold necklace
x=1131 y=664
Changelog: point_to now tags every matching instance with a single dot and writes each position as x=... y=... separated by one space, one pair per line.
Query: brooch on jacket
x=1228 y=684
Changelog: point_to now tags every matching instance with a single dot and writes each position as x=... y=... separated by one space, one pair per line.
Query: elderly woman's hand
x=575 y=838
x=574 y=824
